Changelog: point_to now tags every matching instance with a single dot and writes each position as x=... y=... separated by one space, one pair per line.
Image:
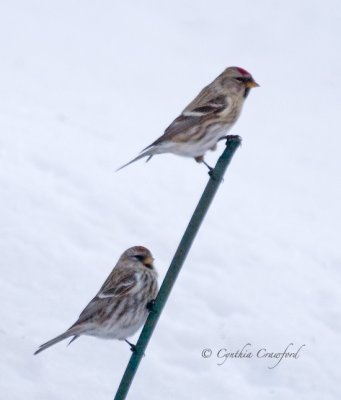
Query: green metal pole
x=216 y=177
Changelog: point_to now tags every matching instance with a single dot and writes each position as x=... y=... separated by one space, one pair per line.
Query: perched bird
x=120 y=308
x=206 y=120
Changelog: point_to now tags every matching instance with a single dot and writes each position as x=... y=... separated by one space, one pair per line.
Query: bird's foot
x=151 y=306
x=213 y=175
x=211 y=172
x=232 y=138
x=132 y=346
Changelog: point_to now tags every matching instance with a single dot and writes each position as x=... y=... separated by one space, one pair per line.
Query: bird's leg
x=208 y=166
x=132 y=346
x=200 y=159
x=150 y=306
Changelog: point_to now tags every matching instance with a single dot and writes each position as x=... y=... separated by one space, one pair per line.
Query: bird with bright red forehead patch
x=206 y=120
x=122 y=304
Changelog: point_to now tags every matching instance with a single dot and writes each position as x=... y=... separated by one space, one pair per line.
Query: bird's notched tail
x=148 y=152
x=56 y=340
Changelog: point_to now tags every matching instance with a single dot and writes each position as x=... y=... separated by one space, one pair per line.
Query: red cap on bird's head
x=243 y=71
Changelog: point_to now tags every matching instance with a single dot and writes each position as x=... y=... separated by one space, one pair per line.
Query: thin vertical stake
x=216 y=177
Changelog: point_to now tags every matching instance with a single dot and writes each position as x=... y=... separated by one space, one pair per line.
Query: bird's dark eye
x=243 y=79
x=139 y=258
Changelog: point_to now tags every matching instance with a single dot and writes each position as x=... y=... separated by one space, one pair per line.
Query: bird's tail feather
x=56 y=340
x=74 y=338
x=149 y=152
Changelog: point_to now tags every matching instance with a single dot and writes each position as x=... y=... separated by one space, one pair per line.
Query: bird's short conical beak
x=252 y=84
x=148 y=261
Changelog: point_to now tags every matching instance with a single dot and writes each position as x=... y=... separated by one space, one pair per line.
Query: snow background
x=84 y=87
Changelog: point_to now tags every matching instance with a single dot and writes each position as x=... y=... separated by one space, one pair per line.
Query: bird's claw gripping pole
x=216 y=176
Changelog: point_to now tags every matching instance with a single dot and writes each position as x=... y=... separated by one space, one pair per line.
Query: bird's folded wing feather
x=207 y=107
x=192 y=118
x=120 y=288
x=112 y=288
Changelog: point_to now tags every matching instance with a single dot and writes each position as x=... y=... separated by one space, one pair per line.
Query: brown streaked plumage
x=119 y=309
x=206 y=120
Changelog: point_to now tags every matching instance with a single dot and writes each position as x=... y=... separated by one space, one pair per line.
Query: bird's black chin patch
x=246 y=92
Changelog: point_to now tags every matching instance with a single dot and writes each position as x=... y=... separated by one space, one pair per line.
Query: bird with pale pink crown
x=206 y=120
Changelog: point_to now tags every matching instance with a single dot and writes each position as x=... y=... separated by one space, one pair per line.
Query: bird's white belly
x=199 y=147
x=124 y=328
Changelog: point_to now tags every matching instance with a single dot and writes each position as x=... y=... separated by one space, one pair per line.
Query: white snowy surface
x=84 y=87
